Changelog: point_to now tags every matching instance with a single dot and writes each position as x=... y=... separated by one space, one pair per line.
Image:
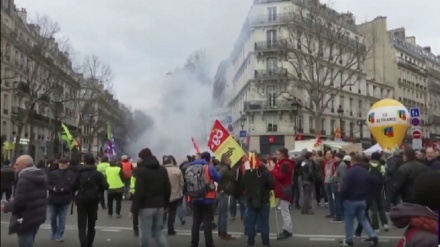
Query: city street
x=312 y=230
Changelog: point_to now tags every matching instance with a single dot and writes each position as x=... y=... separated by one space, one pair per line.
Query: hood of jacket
x=86 y=168
x=199 y=162
x=408 y=214
x=150 y=162
x=33 y=175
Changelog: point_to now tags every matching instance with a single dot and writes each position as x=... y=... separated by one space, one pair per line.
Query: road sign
x=243 y=133
x=417 y=144
x=414 y=112
x=415 y=121
x=229 y=119
x=416 y=134
x=230 y=128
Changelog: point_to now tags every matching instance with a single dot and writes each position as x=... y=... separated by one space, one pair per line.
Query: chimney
x=427 y=48
x=400 y=33
x=411 y=40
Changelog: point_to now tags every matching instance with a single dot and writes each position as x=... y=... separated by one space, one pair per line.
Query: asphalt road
x=313 y=230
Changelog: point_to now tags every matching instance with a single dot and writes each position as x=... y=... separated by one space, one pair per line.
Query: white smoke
x=185 y=101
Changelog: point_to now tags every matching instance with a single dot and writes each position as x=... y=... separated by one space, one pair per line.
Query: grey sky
x=143 y=39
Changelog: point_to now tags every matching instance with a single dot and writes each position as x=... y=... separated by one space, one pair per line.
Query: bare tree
x=323 y=54
x=37 y=74
x=96 y=89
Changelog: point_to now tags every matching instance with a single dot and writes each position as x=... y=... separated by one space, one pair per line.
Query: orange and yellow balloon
x=388 y=121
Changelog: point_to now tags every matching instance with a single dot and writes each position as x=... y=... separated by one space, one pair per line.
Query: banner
x=221 y=142
x=67 y=137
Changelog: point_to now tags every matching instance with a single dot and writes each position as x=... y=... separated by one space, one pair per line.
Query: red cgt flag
x=196 y=147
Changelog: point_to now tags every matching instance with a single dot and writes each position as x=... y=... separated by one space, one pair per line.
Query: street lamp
x=361 y=123
x=296 y=108
x=340 y=113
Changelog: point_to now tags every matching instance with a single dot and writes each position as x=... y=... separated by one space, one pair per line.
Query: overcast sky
x=143 y=39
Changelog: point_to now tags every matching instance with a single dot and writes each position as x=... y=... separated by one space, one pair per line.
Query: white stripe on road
x=182 y=232
x=322 y=239
x=110 y=230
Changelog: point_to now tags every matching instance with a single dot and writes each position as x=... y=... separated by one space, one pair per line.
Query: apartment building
x=255 y=76
x=413 y=71
x=55 y=101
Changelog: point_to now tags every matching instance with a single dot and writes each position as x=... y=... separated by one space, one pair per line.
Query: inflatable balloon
x=388 y=121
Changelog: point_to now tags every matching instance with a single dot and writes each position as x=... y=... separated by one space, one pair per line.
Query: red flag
x=318 y=140
x=196 y=147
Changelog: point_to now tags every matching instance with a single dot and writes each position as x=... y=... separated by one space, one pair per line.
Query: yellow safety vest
x=132 y=183
x=113 y=177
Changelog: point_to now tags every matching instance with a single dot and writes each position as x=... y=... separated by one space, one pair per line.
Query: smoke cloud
x=185 y=101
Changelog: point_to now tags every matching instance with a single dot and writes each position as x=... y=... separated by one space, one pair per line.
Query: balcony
x=269 y=46
x=434 y=73
x=267 y=105
x=410 y=65
x=271 y=74
x=263 y=20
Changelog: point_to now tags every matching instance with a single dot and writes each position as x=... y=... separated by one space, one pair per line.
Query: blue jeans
x=331 y=203
x=339 y=211
x=58 y=216
x=356 y=210
x=258 y=217
x=27 y=239
x=223 y=206
x=151 y=225
x=181 y=209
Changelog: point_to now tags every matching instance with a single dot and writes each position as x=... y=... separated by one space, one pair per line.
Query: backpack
x=197 y=185
x=409 y=233
x=87 y=189
x=376 y=172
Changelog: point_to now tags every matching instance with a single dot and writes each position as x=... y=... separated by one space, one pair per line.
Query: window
x=341 y=101
x=350 y=107
x=271 y=37
x=332 y=104
x=272 y=123
x=272 y=64
x=5 y=4
x=311 y=123
x=323 y=124
x=4 y=128
x=5 y=101
x=351 y=129
x=299 y=124
x=271 y=96
x=272 y=13
x=360 y=108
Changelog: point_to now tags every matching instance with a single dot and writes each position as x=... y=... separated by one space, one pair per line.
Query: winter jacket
x=357 y=184
x=153 y=187
x=7 y=177
x=308 y=171
x=339 y=176
x=410 y=216
x=30 y=199
x=101 y=183
x=404 y=179
x=392 y=165
x=60 y=184
x=176 y=181
x=433 y=164
x=283 y=173
x=258 y=183
x=227 y=182
x=319 y=168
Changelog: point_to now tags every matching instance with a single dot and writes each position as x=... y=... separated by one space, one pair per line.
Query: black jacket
x=258 y=185
x=152 y=187
x=60 y=184
x=404 y=179
x=7 y=177
x=308 y=172
x=30 y=199
x=433 y=164
x=101 y=182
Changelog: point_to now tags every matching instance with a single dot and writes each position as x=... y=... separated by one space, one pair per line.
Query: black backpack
x=376 y=172
x=87 y=189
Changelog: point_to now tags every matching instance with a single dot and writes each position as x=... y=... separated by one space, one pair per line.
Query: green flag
x=67 y=137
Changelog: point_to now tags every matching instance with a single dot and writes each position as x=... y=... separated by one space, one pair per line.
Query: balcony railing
x=275 y=45
x=271 y=74
x=268 y=105
x=270 y=19
x=410 y=65
x=270 y=1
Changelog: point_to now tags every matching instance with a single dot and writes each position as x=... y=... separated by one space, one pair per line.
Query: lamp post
x=340 y=113
x=361 y=123
x=243 y=120
x=296 y=108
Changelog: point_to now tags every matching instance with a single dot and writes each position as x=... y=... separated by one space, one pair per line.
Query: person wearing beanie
x=203 y=196
x=152 y=195
x=421 y=217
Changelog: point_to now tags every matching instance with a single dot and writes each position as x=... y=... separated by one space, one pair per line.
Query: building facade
x=255 y=77
x=47 y=82
x=413 y=71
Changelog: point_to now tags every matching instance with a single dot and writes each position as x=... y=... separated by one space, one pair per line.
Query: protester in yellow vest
x=115 y=178
x=102 y=167
x=132 y=192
